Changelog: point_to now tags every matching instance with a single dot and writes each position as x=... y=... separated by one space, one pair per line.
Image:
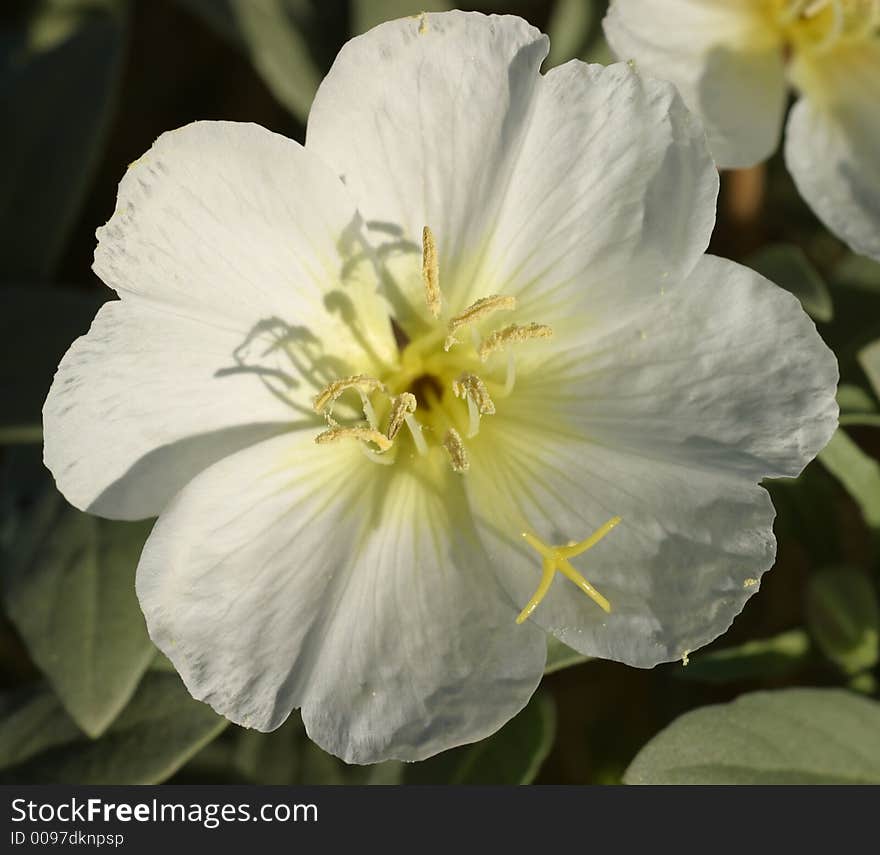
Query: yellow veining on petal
x=512 y=334
x=474 y=313
x=431 y=273
x=556 y=560
x=458 y=455
x=361 y=433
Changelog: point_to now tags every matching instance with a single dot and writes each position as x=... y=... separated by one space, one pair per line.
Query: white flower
x=343 y=497
x=733 y=61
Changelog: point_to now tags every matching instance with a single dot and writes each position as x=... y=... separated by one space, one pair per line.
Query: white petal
x=244 y=290
x=832 y=144
x=228 y=223
x=291 y=574
x=725 y=58
x=146 y=400
x=423 y=117
x=669 y=423
x=614 y=186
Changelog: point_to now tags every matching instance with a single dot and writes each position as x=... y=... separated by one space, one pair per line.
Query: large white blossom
x=383 y=388
x=734 y=61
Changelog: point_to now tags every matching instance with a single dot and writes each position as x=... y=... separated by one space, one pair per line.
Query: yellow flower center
x=444 y=383
x=818 y=26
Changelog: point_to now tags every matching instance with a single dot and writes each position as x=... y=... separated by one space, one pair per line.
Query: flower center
x=445 y=382
x=819 y=25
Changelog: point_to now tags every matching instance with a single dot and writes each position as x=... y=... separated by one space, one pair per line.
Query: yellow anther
x=324 y=400
x=431 y=272
x=470 y=385
x=513 y=334
x=476 y=312
x=359 y=432
x=479 y=402
x=458 y=456
x=556 y=559
x=401 y=406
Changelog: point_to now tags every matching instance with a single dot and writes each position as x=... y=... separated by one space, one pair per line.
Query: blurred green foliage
x=85 y=87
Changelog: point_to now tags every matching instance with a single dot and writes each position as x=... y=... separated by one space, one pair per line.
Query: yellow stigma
x=476 y=312
x=431 y=272
x=513 y=334
x=556 y=559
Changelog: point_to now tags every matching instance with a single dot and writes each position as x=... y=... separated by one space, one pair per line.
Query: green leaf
x=218 y=15
x=273 y=33
x=571 y=27
x=792 y=736
x=561 y=656
x=869 y=359
x=860 y=420
x=789 y=267
x=763 y=658
x=853 y=399
x=513 y=755
x=858 y=473
x=32 y=721
x=159 y=730
x=859 y=272
x=37 y=325
x=843 y=616
x=69 y=590
x=58 y=83
x=366 y=14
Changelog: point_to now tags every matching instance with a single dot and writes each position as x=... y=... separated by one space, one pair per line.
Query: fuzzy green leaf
x=792 y=736
x=69 y=590
x=159 y=730
x=843 y=617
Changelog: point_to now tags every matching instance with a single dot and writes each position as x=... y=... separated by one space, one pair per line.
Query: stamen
x=431 y=272
x=479 y=402
x=556 y=559
x=476 y=312
x=401 y=406
x=369 y=412
x=811 y=9
x=324 y=400
x=416 y=430
x=513 y=334
x=378 y=456
x=511 y=375
x=359 y=432
x=457 y=453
